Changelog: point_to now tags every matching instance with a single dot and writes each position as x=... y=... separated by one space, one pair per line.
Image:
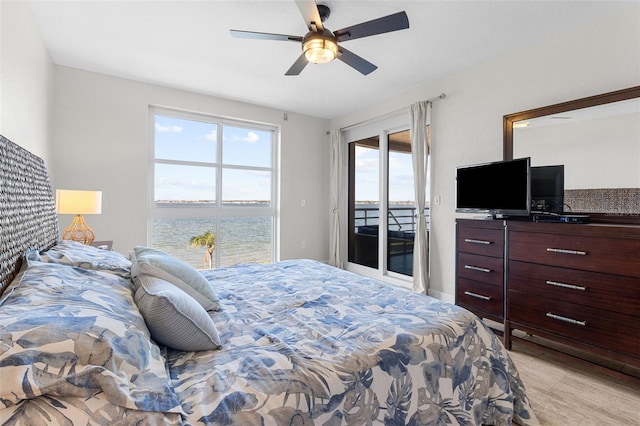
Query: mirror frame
x=605 y=98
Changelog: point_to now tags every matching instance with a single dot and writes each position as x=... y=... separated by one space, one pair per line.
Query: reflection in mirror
x=597 y=140
x=599 y=146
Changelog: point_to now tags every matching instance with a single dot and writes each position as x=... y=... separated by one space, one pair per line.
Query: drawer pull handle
x=469 y=240
x=477 y=268
x=565 y=251
x=477 y=296
x=564 y=285
x=566 y=319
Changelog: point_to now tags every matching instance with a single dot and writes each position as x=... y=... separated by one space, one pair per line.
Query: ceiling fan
x=320 y=45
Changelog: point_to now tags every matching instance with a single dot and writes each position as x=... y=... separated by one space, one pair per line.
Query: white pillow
x=159 y=264
x=174 y=318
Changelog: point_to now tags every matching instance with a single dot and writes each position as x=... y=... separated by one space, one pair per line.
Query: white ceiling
x=186 y=44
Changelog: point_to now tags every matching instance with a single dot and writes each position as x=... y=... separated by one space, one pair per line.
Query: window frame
x=216 y=210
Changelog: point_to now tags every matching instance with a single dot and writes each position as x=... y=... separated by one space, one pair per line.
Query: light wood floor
x=565 y=391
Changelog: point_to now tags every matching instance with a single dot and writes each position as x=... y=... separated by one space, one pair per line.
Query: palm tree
x=208 y=240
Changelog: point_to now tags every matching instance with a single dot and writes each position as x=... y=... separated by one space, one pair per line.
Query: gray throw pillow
x=156 y=263
x=174 y=318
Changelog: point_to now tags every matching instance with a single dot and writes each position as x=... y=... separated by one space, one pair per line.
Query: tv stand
x=578 y=285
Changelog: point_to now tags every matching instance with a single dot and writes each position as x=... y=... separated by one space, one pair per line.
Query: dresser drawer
x=477 y=296
x=481 y=268
x=487 y=242
x=599 y=290
x=614 y=255
x=609 y=330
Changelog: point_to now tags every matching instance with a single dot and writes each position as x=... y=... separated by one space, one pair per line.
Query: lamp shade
x=78 y=202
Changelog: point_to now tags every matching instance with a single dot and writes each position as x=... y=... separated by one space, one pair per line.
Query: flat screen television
x=547 y=189
x=501 y=188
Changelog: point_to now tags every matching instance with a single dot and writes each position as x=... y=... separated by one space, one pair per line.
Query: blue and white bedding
x=70 y=332
x=306 y=343
x=300 y=343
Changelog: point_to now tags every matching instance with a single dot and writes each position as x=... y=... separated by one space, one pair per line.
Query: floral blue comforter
x=305 y=343
x=302 y=343
x=74 y=349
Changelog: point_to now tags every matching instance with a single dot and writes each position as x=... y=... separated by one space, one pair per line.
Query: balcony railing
x=400 y=233
x=400 y=218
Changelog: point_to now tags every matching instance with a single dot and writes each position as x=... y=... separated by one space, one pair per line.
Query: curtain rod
x=389 y=114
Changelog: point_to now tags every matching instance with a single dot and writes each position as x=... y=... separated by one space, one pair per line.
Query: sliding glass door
x=401 y=205
x=364 y=202
x=381 y=202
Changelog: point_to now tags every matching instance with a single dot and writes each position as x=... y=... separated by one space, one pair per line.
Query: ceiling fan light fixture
x=320 y=49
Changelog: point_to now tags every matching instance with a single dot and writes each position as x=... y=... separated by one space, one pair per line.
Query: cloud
x=212 y=136
x=365 y=151
x=176 y=188
x=367 y=165
x=251 y=137
x=237 y=136
x=400 y=163
x=171 y=129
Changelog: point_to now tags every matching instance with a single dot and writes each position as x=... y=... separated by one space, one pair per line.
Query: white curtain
x=335 y=255
x=420 y=114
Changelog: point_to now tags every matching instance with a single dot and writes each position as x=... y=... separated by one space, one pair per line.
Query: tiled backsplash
x=607 y=200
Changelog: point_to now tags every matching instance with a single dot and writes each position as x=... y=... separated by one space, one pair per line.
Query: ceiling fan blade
x=386 y=24
x=355 y=61
x=297 y=66
x=309 y=11
x=264 y=36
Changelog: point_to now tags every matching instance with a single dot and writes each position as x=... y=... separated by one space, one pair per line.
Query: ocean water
x=238 y=239
x=247 y=239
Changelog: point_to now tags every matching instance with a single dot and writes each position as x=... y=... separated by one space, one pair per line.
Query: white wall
x=101 y=142
x=26 y=80
x=467 y=125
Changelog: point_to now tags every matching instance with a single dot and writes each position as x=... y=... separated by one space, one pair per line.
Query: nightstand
x=104 y=245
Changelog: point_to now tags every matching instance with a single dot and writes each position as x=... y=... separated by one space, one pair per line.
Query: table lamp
x=78 y=203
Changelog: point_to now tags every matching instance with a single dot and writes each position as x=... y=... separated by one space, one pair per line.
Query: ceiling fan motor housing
x=324 y=12
x=326 y=34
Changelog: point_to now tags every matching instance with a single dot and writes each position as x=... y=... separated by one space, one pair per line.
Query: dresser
x=575 y=284
x=480 y=267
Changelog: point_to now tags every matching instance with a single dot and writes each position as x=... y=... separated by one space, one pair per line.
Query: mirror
x=597 y=139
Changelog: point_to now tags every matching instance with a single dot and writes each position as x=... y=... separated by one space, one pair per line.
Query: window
x=210 y=174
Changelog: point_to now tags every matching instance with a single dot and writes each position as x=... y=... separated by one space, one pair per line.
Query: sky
x=368 y=175
x=196 y=141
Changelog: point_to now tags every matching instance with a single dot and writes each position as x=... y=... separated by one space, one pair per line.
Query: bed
x=90 y=336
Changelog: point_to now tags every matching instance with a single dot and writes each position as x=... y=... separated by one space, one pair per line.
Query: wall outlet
x=303 y=244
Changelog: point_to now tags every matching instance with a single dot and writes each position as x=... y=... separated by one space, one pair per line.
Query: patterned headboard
x=27 y=208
